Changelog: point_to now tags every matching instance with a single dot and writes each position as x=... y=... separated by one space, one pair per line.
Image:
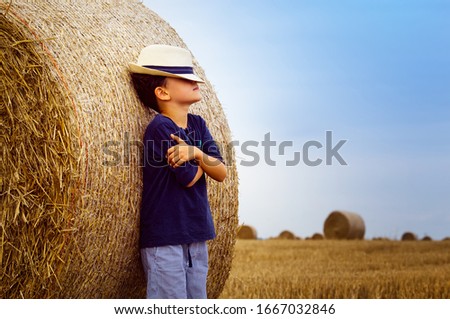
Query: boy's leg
x=165 y=272
x=196 y=275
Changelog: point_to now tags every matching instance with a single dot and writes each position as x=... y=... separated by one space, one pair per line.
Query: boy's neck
x=178 y=115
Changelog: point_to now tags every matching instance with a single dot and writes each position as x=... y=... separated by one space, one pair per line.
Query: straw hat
x=165 y=60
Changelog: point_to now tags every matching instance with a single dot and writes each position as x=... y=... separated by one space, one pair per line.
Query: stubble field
x=297 y=269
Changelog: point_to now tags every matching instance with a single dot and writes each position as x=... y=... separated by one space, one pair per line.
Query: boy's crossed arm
x=182 y=152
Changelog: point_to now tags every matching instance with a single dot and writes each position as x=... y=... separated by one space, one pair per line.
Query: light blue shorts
x=176 y=272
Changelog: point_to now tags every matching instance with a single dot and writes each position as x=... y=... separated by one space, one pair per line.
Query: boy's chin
x=197 y=100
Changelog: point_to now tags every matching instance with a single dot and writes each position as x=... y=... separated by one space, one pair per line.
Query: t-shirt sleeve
x=209 y=145
x=158 y=141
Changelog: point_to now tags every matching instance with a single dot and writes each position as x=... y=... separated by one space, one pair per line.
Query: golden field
x=336 y=269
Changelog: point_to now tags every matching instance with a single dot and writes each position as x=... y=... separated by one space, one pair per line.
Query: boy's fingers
x=172 y=155
x=177 y=139
x=175 y=161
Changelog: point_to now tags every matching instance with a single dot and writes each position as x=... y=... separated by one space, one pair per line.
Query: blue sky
x=374 y=73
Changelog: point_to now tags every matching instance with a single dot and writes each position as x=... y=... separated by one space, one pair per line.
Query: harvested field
x=339 y=269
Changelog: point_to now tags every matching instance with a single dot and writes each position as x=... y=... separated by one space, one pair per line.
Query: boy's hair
x=145 y=85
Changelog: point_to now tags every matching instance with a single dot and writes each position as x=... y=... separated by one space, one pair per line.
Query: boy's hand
x=179 y=154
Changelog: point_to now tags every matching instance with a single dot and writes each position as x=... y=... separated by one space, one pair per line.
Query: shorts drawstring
x=189 y=256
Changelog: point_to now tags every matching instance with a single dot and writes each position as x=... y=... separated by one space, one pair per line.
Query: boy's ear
x=162 y=94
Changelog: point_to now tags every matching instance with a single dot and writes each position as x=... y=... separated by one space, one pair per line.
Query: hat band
x=172 y=69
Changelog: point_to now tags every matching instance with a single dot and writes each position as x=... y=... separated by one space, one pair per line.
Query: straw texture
x=344 y=225
x=71 y=131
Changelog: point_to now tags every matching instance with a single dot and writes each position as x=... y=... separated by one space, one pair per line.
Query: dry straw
x=344 y=225
x=246 y=232
x=71 y=157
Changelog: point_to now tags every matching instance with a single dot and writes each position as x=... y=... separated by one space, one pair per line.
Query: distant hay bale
x=381 y=238
x=317 y=236
x=427 y=238
x=344 y=225
x=246 y=232
x=286 y=234
x=407 y=236
x=71 y=129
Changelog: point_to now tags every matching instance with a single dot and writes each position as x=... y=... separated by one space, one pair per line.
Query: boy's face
x=183 y=91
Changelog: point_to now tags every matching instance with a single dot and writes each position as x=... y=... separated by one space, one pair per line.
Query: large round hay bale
x=71 y=130
x=409 y=236
x=246 y=232
x=344 y=225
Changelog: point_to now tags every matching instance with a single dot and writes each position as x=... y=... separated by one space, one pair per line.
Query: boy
x=175 y=220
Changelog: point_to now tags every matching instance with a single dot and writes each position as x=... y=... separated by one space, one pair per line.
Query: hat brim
x=135 y=68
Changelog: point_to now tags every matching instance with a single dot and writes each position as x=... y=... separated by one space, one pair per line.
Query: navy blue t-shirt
x=171 y=213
